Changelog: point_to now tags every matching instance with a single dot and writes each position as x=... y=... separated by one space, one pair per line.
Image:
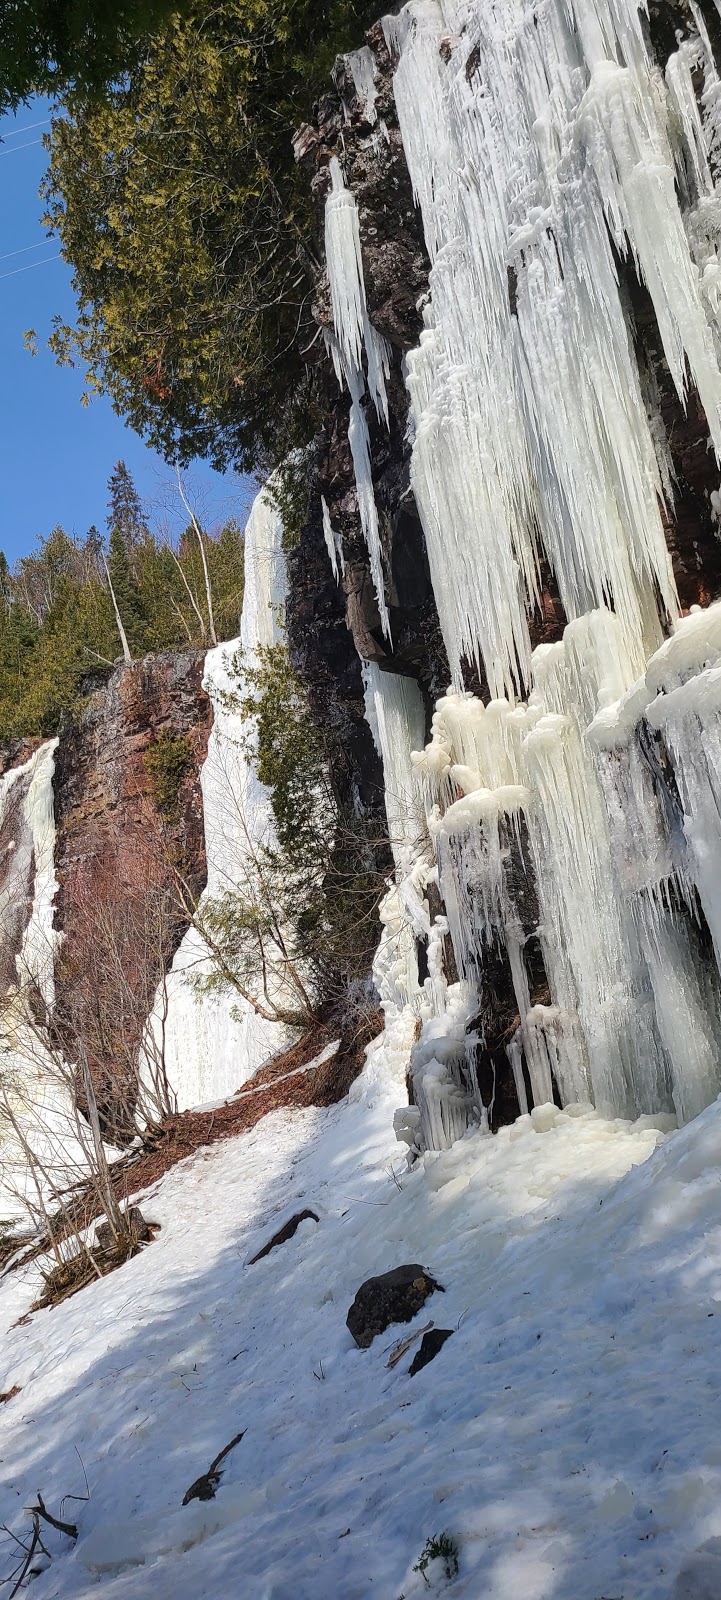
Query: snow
x=566 y=1437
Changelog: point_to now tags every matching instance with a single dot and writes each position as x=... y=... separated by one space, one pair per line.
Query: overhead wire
x=24 y=250
x=27 y=128
x=33 y=264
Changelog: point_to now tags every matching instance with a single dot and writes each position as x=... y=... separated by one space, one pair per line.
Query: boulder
x=140 y=1231
x=394 y=1296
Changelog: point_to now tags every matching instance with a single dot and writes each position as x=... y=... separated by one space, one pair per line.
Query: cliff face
x=334 y=626
x=120 y=841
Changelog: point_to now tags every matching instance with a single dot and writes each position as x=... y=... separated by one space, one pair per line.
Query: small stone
x=430 y=1344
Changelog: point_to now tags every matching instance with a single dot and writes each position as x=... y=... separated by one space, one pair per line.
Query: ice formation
x=214 y=1043
x=572 y=821
x=38 y=1101
x=29 y=882
x=354 y=337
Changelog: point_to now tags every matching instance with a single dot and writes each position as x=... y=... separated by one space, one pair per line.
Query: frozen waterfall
x=213 y=1042
x=572 y=822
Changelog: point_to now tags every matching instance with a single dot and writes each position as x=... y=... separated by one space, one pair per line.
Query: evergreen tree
x=46 y=44
x=58 y=628
x=125 y=510
x=128 y=597
x=190 y=229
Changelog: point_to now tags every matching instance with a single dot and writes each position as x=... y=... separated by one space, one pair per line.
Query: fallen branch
x=24 y=1567
x=205 y=1486
x=399 y=1350
x=40 y=1510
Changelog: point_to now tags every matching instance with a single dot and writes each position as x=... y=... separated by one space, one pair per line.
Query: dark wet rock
x=394 y=1296
x=284 y=1234
x=430 y=1344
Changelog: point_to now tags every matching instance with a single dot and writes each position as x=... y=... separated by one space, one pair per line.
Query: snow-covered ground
x=568 y=1436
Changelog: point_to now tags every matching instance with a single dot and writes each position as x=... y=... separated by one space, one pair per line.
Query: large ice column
x=215 y=1042
x=542 y=146
x=34 y=1097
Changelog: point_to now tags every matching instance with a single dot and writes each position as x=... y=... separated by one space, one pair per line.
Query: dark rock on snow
x=430 y=1344
x=284 y=1234
x=394 y=1296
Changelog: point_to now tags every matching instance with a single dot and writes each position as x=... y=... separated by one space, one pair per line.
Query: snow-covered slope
x=567 y=1436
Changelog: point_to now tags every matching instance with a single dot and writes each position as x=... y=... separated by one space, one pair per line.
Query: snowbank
x=567 y=1436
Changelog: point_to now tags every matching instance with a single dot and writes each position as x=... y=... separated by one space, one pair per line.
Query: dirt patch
x=323 y=1085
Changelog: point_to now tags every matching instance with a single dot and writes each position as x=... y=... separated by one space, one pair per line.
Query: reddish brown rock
x=117 y=854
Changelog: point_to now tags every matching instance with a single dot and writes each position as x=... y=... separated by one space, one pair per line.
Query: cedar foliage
x=308 y=901
x=57 y=625
x=45 y=44
x=190 y=229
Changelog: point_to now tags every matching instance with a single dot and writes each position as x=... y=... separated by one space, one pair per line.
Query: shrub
x=167 y=761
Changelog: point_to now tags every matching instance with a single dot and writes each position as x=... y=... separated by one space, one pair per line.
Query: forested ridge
x=173 y=188
x=58 y=622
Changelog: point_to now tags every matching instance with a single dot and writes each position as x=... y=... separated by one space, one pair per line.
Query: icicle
x=514 y=1051
x=395 y=713
x=637 y=185
x=368 y=511
x=354 y=333
x=333 y=543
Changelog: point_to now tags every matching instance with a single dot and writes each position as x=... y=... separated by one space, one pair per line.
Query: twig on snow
x=205 y=1486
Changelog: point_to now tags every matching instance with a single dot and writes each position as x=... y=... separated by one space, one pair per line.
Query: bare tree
x=201 y=545
x=123 y=636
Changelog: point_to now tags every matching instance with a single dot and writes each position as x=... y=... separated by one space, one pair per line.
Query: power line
x=33 y=264
x=18 y=147
x=28 y=128
x=24 y=250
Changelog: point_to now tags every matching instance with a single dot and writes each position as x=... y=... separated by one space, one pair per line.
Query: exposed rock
x=114 y=840
x=140 y=1230
x=394 y=1296
x=284 y=1234
x=431 y=1343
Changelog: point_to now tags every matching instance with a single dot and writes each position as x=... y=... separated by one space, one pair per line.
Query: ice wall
x=29 y=1084
x=572 y=821
x=214 y=1043
x=28 y=884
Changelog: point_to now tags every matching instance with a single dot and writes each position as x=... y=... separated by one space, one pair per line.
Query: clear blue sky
x=55 y=455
